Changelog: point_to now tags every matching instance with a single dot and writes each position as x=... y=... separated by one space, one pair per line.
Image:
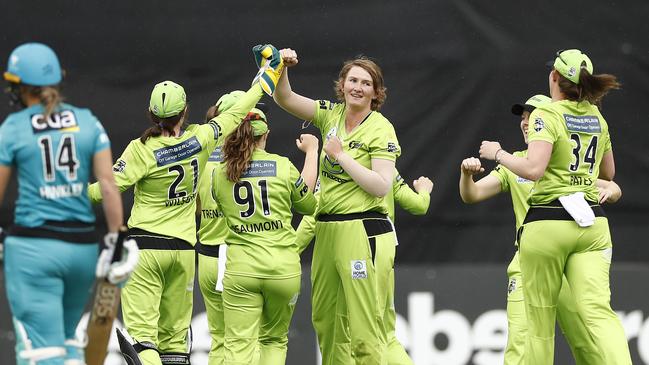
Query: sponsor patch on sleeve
x=299 y=182
x=538 y=124
x=392 y=147
x=119 y=166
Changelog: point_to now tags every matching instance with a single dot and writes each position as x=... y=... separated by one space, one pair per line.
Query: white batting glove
x=121 y=270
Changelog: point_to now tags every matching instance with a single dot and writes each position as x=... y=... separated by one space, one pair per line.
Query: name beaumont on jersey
x=257 y=227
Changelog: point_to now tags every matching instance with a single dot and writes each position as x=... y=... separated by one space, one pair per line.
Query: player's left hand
x=333 y=147
x=488 y=150
x=423 y=184
x=307 y=143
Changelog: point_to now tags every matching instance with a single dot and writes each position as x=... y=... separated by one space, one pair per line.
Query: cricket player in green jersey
x=164 y=165
x=353 y=231
x=502 y=180
x=256 y=191
x=213 y=230
x=415 y=202
x=565 y=231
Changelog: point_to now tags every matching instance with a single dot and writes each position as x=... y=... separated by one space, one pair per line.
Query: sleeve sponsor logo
x=304 y=190
x=538 y=124
x=119 y=166
x=324 y=105
x=64 y=120
x=216 y=156
x=582 y=123
x=172 y=154
x=299 y=182
x=260 y=168
x=392 y=147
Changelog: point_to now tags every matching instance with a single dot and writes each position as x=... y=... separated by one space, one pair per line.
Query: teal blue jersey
x=53 y=159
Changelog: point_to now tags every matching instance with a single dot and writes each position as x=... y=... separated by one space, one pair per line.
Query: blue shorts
x=48 y=284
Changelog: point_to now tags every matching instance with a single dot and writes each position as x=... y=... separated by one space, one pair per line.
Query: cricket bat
x=104 y=312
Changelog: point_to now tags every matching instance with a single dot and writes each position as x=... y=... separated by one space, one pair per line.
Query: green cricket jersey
x=518 y=187
x=413 y=202
x=373 y=138
x=213 y=228
x=261 y=240
x=166 y=171
x=580 y=138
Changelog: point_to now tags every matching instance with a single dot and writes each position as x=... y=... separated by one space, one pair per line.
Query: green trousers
x=550 y=249
x=257 y=315
x=157 y=301
x=207 y=275
x=397 y=355
x=574 y=330
x=352 y=261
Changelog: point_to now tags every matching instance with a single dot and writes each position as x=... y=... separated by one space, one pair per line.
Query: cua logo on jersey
x=538 y=124
x=65 y=120
x=359 y=269
x=119 y=166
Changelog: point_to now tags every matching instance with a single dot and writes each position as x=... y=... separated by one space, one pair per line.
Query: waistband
x=153 y=241
x=69 y=231
x=375 y=223
x=350 y=216
x=207 y=250
x=554 y=211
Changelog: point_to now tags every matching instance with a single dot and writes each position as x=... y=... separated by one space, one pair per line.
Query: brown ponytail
x=49 y=96
x=162 y=124
x=237 y=150
x=591 y=88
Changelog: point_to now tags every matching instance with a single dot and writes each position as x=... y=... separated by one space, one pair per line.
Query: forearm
x=521 y=166
x=370 y=181
x=112 y=204
x=295 y=104
x=469 y=192
x=310 y=169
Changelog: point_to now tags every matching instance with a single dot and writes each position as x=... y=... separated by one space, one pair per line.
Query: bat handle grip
x=119 y=245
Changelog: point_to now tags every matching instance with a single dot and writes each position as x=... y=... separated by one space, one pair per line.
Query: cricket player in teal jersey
x=212 y=253
x=256 y=191
x=502 y=180
x=415 y=202
x=353 y=231
x=164 y=165
x=51 y=250
x=565 y=231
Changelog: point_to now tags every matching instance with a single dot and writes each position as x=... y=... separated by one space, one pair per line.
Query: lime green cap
x=167 y=99
x=257 y=120
x=226 y=101
x=570 y=62
x=531 y=104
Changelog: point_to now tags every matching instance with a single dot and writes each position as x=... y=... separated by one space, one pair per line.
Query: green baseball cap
x=258 y=122
x=570 y=62
x=226 y=101
x=167 y=99
x=531 y=104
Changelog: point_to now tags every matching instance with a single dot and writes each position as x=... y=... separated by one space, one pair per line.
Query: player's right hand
x=423 y=184
x=289 y=56
x=119 y=271
x=471 y=166
x=270 y=67
x=307 y=143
